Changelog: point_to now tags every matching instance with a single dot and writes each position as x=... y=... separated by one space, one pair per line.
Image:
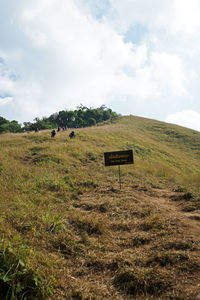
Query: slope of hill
x=68 y=232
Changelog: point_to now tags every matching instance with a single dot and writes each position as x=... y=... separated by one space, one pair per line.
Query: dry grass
x=60 y=204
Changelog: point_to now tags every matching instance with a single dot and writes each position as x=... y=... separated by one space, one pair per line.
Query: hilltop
x=82 y=116
x=69 y=232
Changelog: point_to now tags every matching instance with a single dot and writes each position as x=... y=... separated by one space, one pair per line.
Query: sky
x=137 y=57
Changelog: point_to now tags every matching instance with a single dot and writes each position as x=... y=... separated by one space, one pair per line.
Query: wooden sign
x=118 y=158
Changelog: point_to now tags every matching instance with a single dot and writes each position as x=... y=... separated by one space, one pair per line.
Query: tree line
x=82 y=116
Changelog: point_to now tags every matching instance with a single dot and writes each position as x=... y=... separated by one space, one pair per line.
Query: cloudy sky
x=139 y=57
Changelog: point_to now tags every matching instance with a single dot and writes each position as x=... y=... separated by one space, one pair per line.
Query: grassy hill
x=68 y=232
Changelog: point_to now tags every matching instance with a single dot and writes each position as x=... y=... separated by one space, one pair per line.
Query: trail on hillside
x=189 y=221
x=136 y=228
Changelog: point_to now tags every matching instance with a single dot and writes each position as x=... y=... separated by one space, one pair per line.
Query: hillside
x=69 y=232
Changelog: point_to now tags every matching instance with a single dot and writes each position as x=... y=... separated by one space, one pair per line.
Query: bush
x=17 y=281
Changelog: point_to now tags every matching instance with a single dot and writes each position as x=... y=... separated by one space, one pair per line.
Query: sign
x=118 y=158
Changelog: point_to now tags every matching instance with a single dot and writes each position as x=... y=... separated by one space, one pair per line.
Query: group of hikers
x=71 y=135
x=53 y=132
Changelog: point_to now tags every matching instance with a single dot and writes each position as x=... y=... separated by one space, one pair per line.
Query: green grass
x=63 y=208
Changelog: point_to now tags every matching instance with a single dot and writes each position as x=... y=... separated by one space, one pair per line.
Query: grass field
x=68 y=232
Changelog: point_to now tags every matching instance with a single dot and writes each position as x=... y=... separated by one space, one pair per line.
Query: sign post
x=120 y=178
x=118 y=158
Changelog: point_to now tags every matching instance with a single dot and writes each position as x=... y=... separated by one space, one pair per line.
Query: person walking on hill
x=72 y=135
x=53 y=133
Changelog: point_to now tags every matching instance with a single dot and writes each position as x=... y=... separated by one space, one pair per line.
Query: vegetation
x=80 y=117
x=7 y=126
x=17 y=280
x=68 y=232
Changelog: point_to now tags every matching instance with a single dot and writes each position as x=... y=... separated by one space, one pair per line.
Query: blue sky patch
x=5 y=95
x=99 y=8
x=135 y=34
x=1 y=60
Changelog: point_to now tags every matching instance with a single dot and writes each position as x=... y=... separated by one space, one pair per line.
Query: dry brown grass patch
x=89 y=224
x=142 y=281
x=153 y=222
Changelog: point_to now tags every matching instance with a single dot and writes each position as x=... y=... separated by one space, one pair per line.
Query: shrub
x=17 y=281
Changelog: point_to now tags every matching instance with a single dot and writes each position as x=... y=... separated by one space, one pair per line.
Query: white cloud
x=149 y=13
x=186 y=118
x=167 y=70
x=6 y=82
x=175 y=16
x=74 y=58
x=5 y=100
x=61 y=55
x=186 y=16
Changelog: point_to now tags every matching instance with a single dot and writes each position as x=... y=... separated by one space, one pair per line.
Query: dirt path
x=137 y=229
x=189 y=221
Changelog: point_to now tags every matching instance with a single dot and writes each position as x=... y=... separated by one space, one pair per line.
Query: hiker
x=72 y=135
x=53 y=133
